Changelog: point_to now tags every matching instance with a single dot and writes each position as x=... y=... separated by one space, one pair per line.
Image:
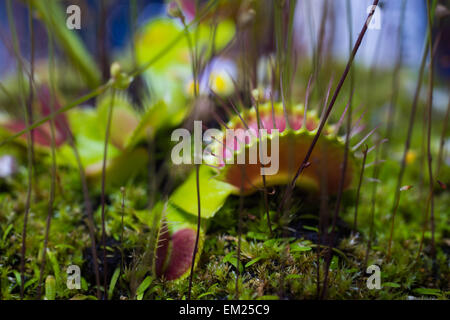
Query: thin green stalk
x=195 y=72
x=429 y=124
x=152 y=177
x=194 y=254
x=133 y=24
x=241 y=207
x=88 y=208
x=427 y=138
x=283 y=21
x=103 y=200
x=424 y=227
x=53 y=156
x=32 y=83
x=395 y=76
x=289 y=50
x=358 y=192
x=323 y=22
x=376 y=172
x=346 y=151
x=122 y=263
x=338 y=202
x=412 y=117
x=312 y=38
x=266 y=200
x=27 y=113
x=442 y=141
x=323 y=219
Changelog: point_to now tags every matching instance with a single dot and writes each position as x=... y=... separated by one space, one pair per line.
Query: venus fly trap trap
x=192 y=150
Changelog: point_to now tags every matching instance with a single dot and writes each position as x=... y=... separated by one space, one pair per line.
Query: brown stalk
x=195 y=73
x=30 y=155
x=302 y=166
x=102 y=51
x=320 y=44
x=191 y=276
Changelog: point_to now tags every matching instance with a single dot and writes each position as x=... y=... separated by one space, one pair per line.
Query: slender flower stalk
x=51 y=200
x=28 y=119
x=358 y=192
x=429 y=125
x=442 y=141
x=376 y=173
x=412 y=117
x=103 y=197
x=195 y=73
x=303 y=165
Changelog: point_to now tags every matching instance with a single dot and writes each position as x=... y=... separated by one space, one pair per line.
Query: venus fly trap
x=239 y=169
x=224 y=151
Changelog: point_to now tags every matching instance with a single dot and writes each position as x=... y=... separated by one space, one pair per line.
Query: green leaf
x=121 y=169
x=334 y=263
x=391 y=285
x=89 y=134
x=29 y=283
x=205 y=294
x=253 y=261
x=268 y=297
x=112 y=285
x=300 y=248
x=143 y=286
x=352 y=270
x=213 y=193
x=83 y=297
x=152 y=119
x=257 y=235
x=158 y=115
x=5 y=234
x=84 y=121
x=176 y=217
x=428 y=291
x=18 y=278
x=311 y=228
x=232 y=259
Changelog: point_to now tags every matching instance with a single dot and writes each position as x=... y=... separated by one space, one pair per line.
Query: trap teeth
x=258 y=130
